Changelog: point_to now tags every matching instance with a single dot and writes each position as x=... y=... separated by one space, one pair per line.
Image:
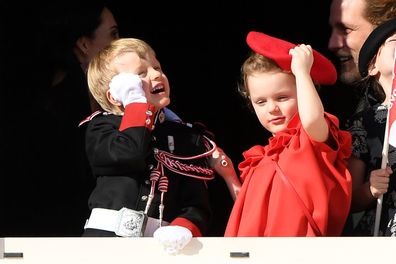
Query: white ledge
x=205 y=250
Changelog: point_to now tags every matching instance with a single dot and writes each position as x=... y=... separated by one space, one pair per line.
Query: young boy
x=151 y=168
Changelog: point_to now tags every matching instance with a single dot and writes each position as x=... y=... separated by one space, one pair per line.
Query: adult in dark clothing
x=376 y=61
x=50 y=180
x=351 y=23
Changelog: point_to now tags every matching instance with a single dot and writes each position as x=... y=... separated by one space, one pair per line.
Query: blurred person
x=50 y=181
x=376 y=61
x=351 y=22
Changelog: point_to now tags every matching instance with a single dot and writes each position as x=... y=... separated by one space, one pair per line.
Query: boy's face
x=155 y=83
x=274 y=99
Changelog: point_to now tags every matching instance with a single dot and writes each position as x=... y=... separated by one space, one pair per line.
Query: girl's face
x=384 y=61
x=155 y=83
x=274 y=98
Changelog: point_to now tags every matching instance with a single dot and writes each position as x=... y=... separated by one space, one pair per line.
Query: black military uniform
x=140 y=151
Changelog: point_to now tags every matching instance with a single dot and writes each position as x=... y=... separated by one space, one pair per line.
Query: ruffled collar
x=275 y=145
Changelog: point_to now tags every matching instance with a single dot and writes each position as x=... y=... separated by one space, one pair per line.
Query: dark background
x=201 y=46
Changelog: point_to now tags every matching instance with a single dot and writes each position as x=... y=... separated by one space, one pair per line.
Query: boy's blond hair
x=101 y=68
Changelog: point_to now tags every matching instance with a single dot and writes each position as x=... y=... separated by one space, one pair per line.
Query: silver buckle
x=130 y=223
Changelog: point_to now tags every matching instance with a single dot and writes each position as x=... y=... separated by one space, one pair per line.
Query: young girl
x=298 y=184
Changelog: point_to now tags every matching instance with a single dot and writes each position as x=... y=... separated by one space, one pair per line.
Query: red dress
x=266 y=206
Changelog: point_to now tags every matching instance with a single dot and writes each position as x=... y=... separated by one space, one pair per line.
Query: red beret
x=322 y=71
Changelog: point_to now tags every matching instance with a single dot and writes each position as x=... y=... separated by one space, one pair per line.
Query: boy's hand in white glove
x=127 y=88
x=173 y=238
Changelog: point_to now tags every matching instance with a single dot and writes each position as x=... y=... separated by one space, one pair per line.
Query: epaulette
x=89 y=118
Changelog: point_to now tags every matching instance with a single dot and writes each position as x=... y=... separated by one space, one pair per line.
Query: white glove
x=173 y=238
x=127 y=88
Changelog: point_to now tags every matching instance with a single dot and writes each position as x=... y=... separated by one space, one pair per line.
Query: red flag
x=392 y=109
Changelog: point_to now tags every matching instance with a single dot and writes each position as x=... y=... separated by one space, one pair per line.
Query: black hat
x=373 y=43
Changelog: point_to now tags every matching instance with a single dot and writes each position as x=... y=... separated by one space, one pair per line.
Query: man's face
x=349 y=30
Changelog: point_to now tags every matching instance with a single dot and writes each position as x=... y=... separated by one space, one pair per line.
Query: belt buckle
x=130 y=223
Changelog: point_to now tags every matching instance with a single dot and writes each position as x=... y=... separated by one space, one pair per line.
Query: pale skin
x=154 y=82
x=157 y=90
x=274 y=97
x=349 y=30
x=365 y=193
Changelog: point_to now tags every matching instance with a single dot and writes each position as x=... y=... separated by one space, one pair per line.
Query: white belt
x=124 y=222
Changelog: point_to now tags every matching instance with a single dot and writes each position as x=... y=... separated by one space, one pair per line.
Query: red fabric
x=136 y=115
x=265 y=206
x=179 y=221
x=322 y=71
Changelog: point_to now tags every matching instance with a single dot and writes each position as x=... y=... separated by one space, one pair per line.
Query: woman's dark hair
x=62 y=23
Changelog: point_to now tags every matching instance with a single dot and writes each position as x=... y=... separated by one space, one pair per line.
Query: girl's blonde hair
x=101 y=68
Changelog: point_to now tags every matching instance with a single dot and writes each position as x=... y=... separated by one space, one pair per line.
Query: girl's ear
x=372 y=69
x=111 y=99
